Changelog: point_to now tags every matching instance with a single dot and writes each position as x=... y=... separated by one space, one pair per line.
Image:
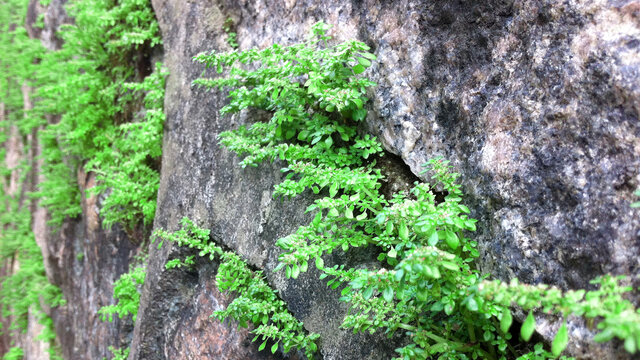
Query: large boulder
x=536 y=103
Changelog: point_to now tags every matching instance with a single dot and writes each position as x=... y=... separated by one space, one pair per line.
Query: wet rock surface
x=536 y=103
x=84 y=261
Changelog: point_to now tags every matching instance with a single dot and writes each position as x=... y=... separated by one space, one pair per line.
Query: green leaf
x=392 y=253
x=369 y=56
x=403 y=231
x=472 y=305
x=262 y=346
x=333 y=190
x=452 y=239
x=449 y=265
x=433 y=239
x=274 y=348
x=388 y=294
x=367 y=292
x=348 y=213
x=364 y=62
x=561 y=340
x=505 y=321
x=359 y=69
x=319 y=263
x=295 y=271
x=528 y=327
x=630 y=345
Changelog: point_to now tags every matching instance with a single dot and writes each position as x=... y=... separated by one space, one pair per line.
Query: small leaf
x=359 y=69
x=388 y=294
x=452 y=239
x=348 y=213
x=403 y=231
x=528 y=327
x=319 y=263
x=364 y=62
x=448 y=308
x=369 y=56
x=295 y=271
x=333 y=190
x=506 y=320
x=303 y=135
x=262 y=346
x=560 y=341
x=433 y=239
x=389 y=227
x=630 y=345
x=472 y=305
x=274 y=348
x=392 y=253
x=367 y=292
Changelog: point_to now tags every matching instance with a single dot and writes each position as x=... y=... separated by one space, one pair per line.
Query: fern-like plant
x=428 y=285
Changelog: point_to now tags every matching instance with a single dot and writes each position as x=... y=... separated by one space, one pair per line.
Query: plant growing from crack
x=428 y=284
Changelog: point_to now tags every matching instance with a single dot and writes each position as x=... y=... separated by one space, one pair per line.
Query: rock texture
x=536 y=102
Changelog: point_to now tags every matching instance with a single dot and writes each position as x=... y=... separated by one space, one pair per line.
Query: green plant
x=25 y=290
x=427 y=285
x=14 y=353
x=119 y=354
x=255 y=301
x=231 y=35
x=126 y=291
x=125 y=169
x=93 y=84
x=188 y=262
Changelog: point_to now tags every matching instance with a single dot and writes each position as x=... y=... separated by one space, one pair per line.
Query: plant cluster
x=98 y=107
x=25 y=290
x=255 y=301
x=126 y=293
x=232 y=36
x=427 y=284
x=95 y=84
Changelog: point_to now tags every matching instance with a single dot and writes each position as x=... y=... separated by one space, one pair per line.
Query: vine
x=255 y=301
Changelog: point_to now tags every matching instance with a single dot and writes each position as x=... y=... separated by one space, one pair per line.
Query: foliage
x=93 y=84
x=124 y=168
x=119 y=354
x=14 y=353
x=25 y=289
x=255 y=301
x=428 y=284
x=231 y=35
x=188 y=262
x=126 y=291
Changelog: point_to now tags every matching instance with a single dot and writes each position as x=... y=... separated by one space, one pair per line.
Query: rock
x=536 y=103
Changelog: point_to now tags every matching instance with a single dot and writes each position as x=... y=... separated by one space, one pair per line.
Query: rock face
x=536 y=102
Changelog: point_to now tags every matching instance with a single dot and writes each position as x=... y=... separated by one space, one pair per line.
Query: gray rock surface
x=536 y=103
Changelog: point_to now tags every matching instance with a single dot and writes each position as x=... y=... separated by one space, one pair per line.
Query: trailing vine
x=255 y=301
x=428 y=285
